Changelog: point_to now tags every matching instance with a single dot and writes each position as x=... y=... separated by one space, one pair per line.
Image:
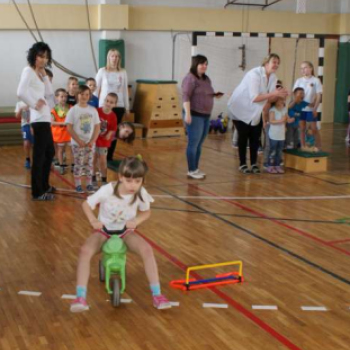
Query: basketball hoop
x=301 y=6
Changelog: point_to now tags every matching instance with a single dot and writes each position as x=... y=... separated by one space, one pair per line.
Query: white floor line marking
x=175 y=303
x=68 y=296
x=216 y=306
x=33 y=294
x=126 y=301
x=264 y=307
x=255 y=198
x=218 y=197
x=314 y=308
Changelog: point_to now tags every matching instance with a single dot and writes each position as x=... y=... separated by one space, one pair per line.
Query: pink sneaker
x=160 y=302
x=280 y=170
x=271 y=170
x=79 y=305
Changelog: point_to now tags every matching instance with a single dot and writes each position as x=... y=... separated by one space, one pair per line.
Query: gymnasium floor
x=295 y=251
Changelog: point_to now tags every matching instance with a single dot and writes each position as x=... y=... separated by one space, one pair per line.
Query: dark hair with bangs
x=131 y=137
x=132 y=168
x=38 y=49
x=197 y=60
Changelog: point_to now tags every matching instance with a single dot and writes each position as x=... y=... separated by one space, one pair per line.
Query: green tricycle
x=112 y=268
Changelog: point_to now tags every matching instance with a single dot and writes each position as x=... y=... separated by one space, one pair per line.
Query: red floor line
x=71 y=185
x=301 y=232
x=279 y=337
x=339 y=241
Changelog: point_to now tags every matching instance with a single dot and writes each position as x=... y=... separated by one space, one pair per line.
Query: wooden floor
x=294 y=249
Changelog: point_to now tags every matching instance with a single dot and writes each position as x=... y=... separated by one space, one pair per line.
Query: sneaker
x=200 y=172
x=27 y=164
x=194 y=175
x=79 y=189
x=79 y=305
x=90 y=189
x=265 y=166
x=255 y=169
x=44 y=197
x=271 y=170
x=234 y=145
x=160 y=302
x=280 y=170
x=244 y=169
x=61 y=170
x=56 y=163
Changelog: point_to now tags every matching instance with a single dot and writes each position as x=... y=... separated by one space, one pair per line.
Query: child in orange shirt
x=60 y=135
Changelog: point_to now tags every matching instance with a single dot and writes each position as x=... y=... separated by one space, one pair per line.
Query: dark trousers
x=119 y=112
x=43 y=153
x=248 y=132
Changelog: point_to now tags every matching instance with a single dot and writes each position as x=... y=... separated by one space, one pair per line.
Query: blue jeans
x=197 y=131
x=275 y=153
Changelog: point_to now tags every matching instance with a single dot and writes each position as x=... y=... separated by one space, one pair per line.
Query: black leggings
x=248 y=132
x=43 y=153
x=119 y=112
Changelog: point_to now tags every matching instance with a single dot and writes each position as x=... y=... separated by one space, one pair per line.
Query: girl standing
x=277 y=134
x=313 y=94
x=123 y=206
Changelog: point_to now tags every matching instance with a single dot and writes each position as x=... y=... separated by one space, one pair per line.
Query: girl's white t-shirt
x=115 y=212
x=312 y=86
x=278 y=131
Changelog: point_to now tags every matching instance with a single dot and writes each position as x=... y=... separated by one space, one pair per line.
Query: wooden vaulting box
x=306 y=162
x=157 y=107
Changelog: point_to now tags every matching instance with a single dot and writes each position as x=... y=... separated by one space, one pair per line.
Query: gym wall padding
x=105 y=45
x=343 y=84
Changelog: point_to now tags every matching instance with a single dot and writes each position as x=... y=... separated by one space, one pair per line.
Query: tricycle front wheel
x=115 y=296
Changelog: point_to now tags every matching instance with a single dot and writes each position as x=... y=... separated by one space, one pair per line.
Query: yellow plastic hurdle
x=221 y=279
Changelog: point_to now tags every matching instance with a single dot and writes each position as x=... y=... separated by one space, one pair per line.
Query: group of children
x=77 y=121
x=283 y=130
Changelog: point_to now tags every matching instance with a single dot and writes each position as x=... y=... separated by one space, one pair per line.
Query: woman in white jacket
x=246 y=104
x=34 y=89
x=113 y=78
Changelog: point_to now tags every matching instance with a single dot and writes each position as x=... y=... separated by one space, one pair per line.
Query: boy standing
x=108 y=128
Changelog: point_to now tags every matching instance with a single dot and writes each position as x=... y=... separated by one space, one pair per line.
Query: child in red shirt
x=108 y=129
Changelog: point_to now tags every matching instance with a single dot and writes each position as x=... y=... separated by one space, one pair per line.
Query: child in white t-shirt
x=83 y=124
x=123 y=206
x=278 y=117
x=22 y=111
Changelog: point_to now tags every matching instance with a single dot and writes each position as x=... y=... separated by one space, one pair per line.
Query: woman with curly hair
x=34 y=89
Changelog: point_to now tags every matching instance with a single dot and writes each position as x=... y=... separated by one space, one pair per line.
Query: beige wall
x=114 y=17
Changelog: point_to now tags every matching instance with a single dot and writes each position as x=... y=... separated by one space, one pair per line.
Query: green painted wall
x=343 y=84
